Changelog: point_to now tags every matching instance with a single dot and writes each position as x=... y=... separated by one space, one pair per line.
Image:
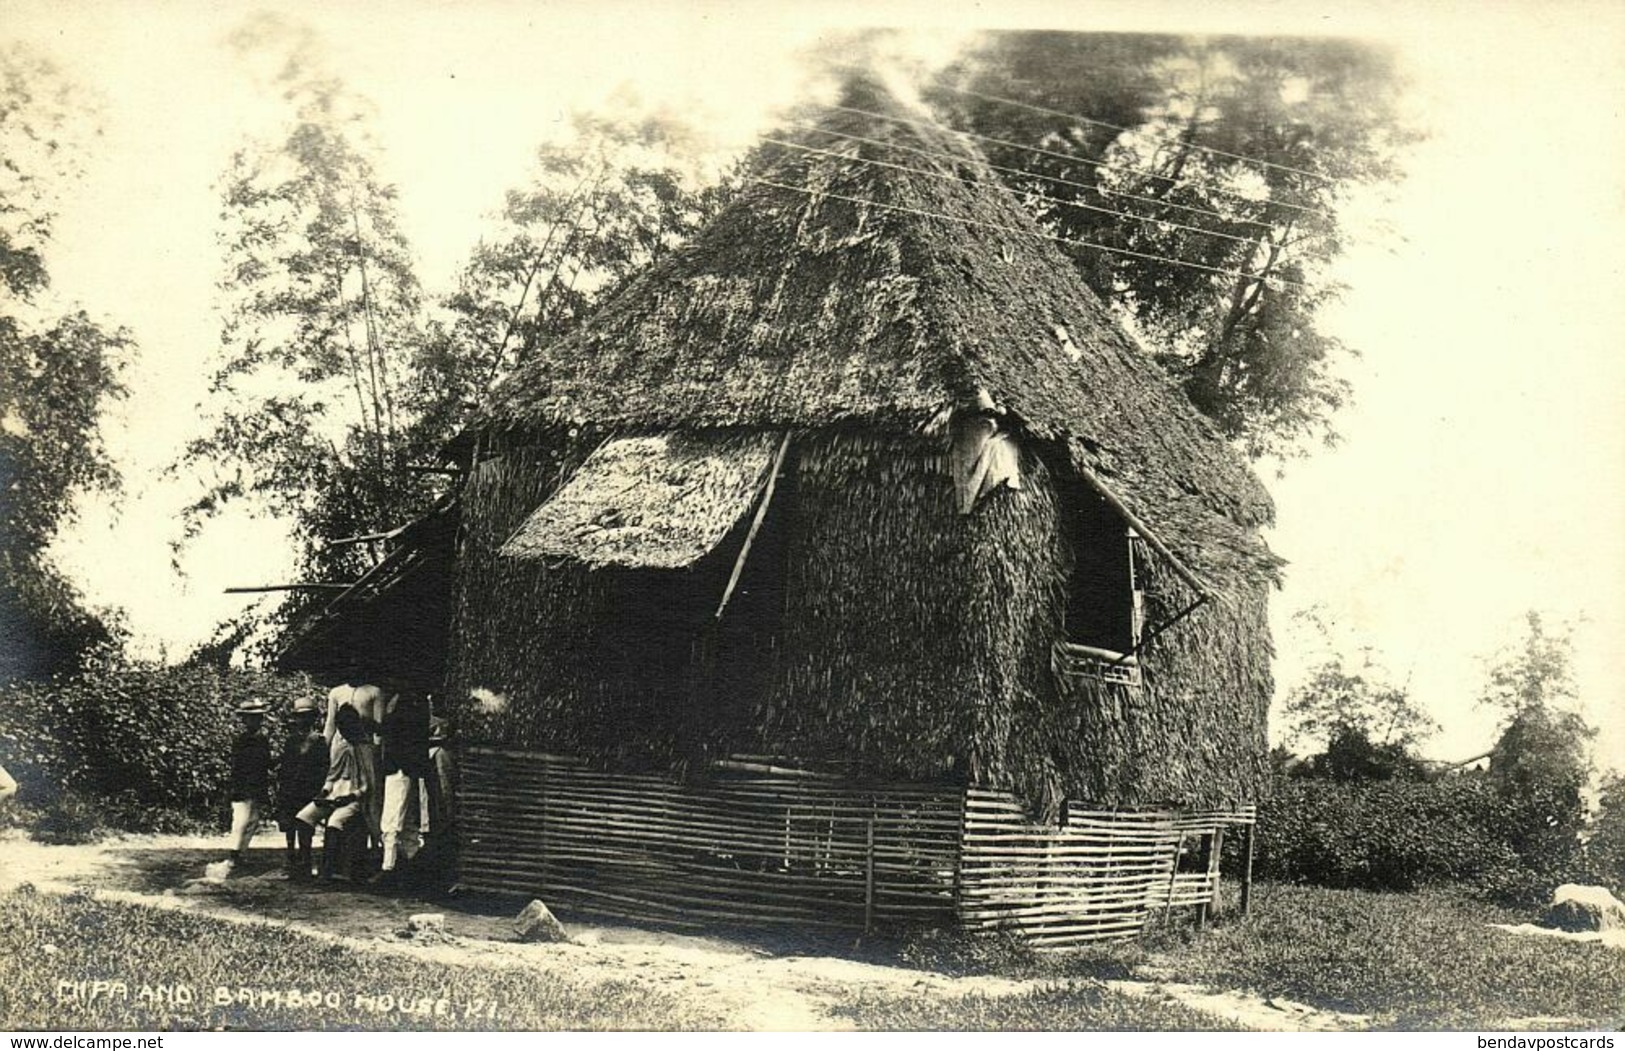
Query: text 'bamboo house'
x=851 y=566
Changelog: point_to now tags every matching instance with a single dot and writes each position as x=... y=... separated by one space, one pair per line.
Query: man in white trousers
x=405 y=734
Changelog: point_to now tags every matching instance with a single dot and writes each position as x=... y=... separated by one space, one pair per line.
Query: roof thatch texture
x=590 y=662
x=802 y=308
x=916 y=644
x=656 y=501
x=875 y=630
x=914 y=637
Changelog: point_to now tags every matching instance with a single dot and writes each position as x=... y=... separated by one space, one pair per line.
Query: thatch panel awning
x=657 y=501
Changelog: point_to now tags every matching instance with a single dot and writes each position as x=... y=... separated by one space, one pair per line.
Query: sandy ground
x=756 y=987
x=1614 y=939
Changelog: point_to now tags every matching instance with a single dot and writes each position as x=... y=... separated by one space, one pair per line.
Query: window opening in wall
x=1105 y=603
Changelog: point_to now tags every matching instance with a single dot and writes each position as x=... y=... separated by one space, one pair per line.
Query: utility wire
x=1058 y=180
x=949 y=176
x=1118 y=127
x=1034 y=107
x=1173 y=183
x=1027 y=233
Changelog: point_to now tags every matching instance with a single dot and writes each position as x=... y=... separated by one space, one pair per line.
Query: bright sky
x=1482 y=468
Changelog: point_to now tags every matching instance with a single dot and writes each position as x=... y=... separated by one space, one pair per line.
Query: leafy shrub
x=1351 y=755
x=1605 y=850
x=67 y=819
x=150 y=743
x=1400 y=835
x=1541 y=762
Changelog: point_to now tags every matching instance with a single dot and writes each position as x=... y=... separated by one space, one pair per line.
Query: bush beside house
x=128 y=745
x=1403 y=834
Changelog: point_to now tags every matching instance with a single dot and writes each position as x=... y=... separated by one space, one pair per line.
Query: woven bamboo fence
x=781 y=847
x=764 y=845
x=1102 y=875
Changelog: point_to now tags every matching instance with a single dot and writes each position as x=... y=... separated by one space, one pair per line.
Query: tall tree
x=1535 y=672
x=1366 y=725
x=1344 y=702
x=334 y=379
x=322 y=317
x=1541 y=763
x=599 y=206
x=1339 y=698
x=57 y=374
x=1197 y=183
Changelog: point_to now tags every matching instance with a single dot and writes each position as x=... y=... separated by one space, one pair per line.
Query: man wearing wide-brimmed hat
x=301 y=773
x=250 y=786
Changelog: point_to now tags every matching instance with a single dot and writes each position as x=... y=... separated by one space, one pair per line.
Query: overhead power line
x=1118 y=127
x=1073 y=158
x=1027 y=233
x=950 y=177
x=1056 y=179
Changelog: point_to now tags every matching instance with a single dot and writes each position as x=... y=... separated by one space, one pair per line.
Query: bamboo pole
x=367 y=538
x=755 y=525
x=869 y=876
x=961 y=846
x=289 y=587
x=1209 y=908
x=1145 y=531
x=1247 y=872
x=1173 y=878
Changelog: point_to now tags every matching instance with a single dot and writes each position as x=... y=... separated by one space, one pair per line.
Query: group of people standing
x=376 y=774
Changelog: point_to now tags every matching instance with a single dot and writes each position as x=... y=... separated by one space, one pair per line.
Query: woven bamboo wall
x=1101 y=875
x=813 y=850
x=763 y=848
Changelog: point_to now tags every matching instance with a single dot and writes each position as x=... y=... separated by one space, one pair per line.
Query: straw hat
x=301 y=705
x=255 y=707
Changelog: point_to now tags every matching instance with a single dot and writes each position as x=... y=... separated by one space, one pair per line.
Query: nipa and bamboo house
x=852 y=566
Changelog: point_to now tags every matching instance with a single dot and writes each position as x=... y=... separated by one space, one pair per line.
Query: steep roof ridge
x=903 y=293
x=1251 y=505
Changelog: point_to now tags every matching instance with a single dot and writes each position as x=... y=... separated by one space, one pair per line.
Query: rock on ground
x=1576 y=907
x=536 y=923
x=426 y=921
x=426 y=928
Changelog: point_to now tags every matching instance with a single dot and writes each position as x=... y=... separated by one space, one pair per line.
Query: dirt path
x=756 y=988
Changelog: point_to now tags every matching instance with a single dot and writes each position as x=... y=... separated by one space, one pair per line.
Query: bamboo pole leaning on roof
x=755 y=525
x=315 y=586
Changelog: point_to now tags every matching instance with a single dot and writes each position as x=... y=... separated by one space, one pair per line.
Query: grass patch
x=1070 y=1007
x=78 y=963
x=1421 y=960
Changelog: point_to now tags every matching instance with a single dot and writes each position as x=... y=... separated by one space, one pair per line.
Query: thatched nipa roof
x=657 y=501
x=852 y=291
